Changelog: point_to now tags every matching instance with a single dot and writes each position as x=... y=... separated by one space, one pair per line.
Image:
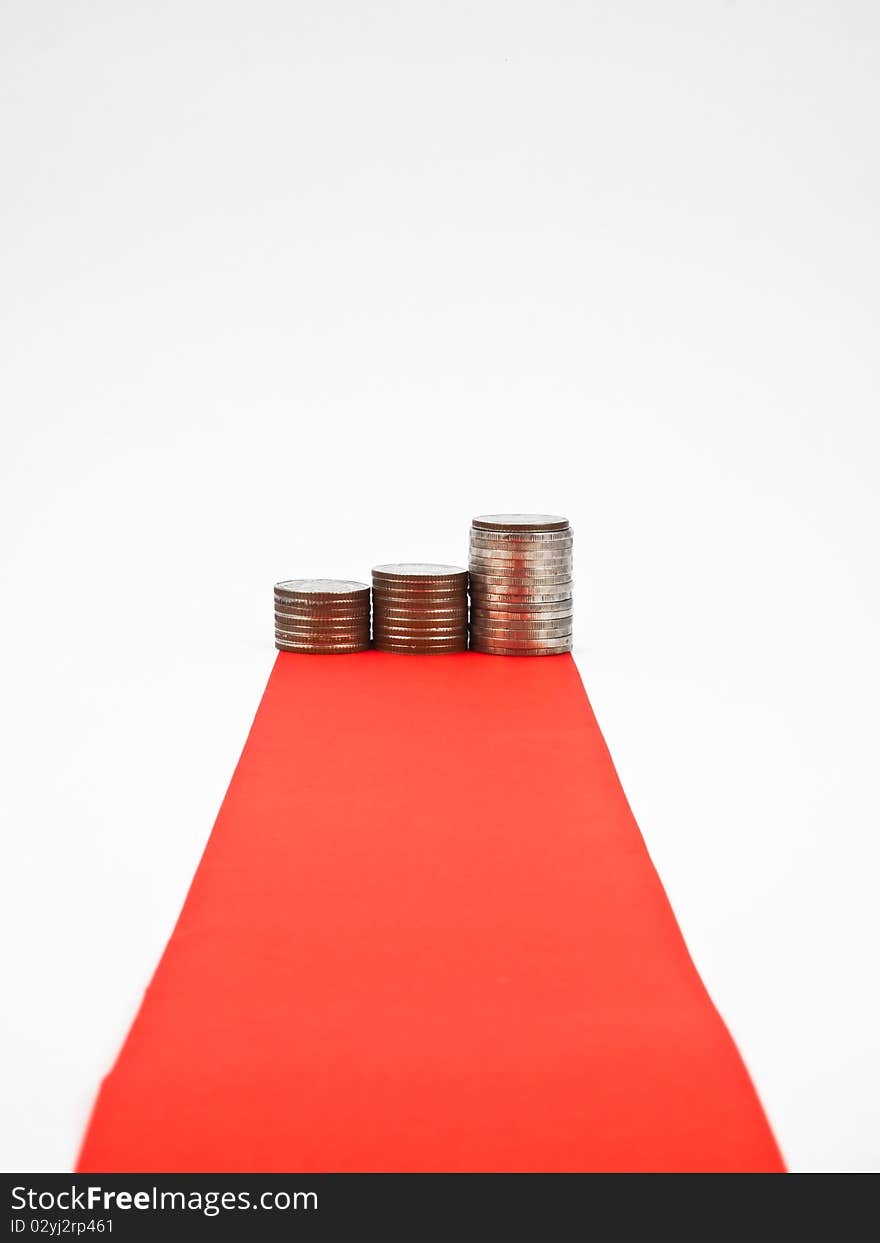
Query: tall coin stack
x=322 y=616
x=420 y=608
x=520 y=568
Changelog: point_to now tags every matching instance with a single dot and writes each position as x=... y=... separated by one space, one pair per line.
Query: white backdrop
x=292 y=288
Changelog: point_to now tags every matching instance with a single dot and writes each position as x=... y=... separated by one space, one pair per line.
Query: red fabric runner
x=426 y=935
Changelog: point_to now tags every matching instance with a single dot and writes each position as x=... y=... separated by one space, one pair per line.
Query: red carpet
x=426 y=935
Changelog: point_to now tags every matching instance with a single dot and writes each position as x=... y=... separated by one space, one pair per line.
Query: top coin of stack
x=520 y=569
x=322 y=616
x=419 y=608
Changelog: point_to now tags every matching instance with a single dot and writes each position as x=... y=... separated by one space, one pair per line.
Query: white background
x=294 y=288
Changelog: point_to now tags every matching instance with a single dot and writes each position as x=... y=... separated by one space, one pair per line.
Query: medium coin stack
x=323 y=616
x=420 y=608
x=520 y=572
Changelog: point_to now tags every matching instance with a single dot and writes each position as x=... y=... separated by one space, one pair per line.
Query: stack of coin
x=420 y=608
x=520 y=568
x=322 y=616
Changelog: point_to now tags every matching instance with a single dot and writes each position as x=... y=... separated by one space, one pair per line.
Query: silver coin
x=424 y=583
x=481 y=601
x=419 y=569
x=522 y=627
x=515 y=552
x=480 y=644
x=499 y=646
x=502 y=599
x=500 y=534
x=325 y=600
x=510 y=559
x=310 y=649
x=514 y=643
x=521 y=569
x=335 y=610
x=320 y=586
x=480 y=604
x=339 y=619
x=351 y=608
x=427 y=583
x=530 y=541
x=505 y=623
x=480 y=578
x=518 y=554
x=527 y=522
x=518 y=569
x=516 y=573
x=321 y=608
x=499 y=548
x=521 y=638
x=511 y=556
x=492 y=649
x=354 y=608
x=495 y=582
x=296 y=638
x=480 y=588
x=523 y=633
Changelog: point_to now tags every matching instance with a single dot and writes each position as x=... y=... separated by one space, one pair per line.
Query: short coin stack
x=420 y=608
x=520 y=568
x=323 y=616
